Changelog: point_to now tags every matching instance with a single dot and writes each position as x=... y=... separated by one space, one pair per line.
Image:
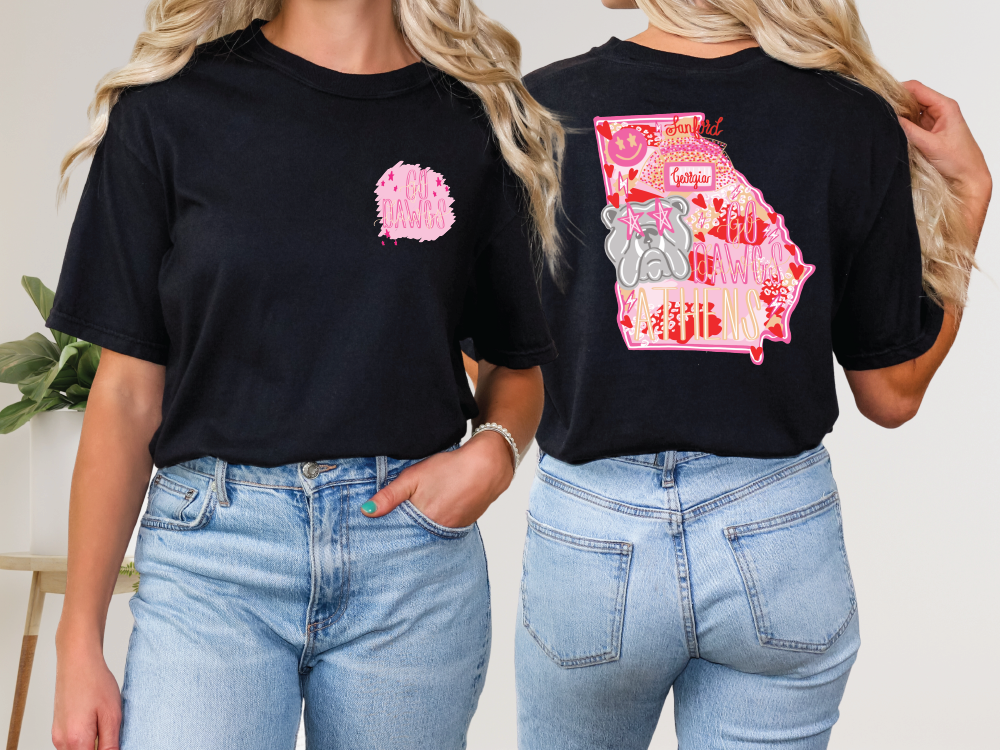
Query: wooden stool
x=48 y=576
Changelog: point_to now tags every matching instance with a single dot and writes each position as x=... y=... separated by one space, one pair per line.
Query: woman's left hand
x=945 y=139
x=454 y=488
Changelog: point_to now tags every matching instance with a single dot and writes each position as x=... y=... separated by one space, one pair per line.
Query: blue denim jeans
x=724 y=579
x=264 y=587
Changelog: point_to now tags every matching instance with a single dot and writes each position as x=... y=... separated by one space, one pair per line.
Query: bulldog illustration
x=649 y=241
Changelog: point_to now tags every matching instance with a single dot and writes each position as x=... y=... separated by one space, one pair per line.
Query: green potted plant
x=51 y=375
x=54 y=378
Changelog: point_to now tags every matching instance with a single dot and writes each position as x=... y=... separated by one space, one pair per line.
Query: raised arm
x=109 y=483
x=891 y=396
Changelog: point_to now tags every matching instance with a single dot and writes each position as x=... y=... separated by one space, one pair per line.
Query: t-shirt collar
x=630 y=51
x=352 y=85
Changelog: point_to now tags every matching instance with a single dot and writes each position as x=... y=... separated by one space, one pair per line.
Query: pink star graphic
x=439 y=182
x=383 y=182
x=662 y=217
x=390 y=176
x=631 y=220
x=395 y=188
x=435 y=193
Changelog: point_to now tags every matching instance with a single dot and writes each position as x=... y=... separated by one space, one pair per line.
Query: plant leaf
x=77 y=392
x=67 y=358
x=43 y=298
x=54 y=400
x=86 y=368
x=17 y=414
x=29 y=385
x=44 y=345
x=78 y=406
x=22 y=359
x=62 y=339
x=66 y=378
x=40 y=294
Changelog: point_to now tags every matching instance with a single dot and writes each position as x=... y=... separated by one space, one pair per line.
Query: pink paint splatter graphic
x=702 y=260
x=413 y=202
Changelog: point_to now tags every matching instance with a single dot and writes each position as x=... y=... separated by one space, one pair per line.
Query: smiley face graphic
x=627 y=147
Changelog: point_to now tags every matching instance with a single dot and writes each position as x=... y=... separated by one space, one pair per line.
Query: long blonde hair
x=452 y=35
x=828 y=35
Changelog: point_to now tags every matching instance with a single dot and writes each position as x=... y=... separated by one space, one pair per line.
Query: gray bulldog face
x=658 y=250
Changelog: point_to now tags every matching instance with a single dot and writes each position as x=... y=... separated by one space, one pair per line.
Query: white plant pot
x=55 y=437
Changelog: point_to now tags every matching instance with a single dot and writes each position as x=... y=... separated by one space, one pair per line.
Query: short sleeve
x=108 y=287
x=503 y=314
x=884 y=316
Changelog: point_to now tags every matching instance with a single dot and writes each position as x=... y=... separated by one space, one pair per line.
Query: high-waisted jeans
x=261 y=588
x=724 y=579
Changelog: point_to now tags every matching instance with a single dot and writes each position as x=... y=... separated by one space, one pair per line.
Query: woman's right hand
x=109 y=483
x=88 y=702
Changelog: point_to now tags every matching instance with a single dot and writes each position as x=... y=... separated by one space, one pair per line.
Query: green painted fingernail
x=369 y=507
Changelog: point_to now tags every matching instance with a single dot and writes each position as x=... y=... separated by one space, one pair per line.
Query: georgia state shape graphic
x=702 y=261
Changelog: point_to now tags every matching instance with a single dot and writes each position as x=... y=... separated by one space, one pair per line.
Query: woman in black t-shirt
x=283 y=197
x=748 y=213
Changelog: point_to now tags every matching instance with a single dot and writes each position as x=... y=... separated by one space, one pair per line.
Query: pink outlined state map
x=702 y=260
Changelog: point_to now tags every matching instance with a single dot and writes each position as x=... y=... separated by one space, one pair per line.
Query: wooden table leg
x=35 y=602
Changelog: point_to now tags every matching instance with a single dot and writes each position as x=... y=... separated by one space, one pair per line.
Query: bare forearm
x=109 y=482
x=454 y=488
x=891 y=396
x=512 y=398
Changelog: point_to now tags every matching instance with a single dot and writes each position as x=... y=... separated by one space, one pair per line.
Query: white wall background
x=920 y=503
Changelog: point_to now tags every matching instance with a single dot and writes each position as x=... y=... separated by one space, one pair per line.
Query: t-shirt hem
x=255 y=457
x=518 y=360
x=577 y=458
x=106 y=337
x=900 y=354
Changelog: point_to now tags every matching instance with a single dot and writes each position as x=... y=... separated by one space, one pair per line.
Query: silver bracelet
x=501 y=430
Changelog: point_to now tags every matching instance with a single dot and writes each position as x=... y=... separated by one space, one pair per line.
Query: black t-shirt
x=731 y=224
x=298 y=246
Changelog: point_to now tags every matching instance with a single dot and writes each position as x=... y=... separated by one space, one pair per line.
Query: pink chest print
x=413 y=202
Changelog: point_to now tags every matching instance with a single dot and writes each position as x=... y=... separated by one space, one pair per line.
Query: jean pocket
x=797 y=577
x=573 y=595
x=179 y=503
x=445 y=532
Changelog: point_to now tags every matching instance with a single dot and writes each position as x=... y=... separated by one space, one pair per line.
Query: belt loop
x=669 y=462
x=381 y=471
x=220 y=482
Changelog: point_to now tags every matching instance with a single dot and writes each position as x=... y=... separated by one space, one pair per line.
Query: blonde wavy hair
x=828 y=35
x=452 y=35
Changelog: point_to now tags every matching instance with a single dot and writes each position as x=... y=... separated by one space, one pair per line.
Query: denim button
x=311 y=470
